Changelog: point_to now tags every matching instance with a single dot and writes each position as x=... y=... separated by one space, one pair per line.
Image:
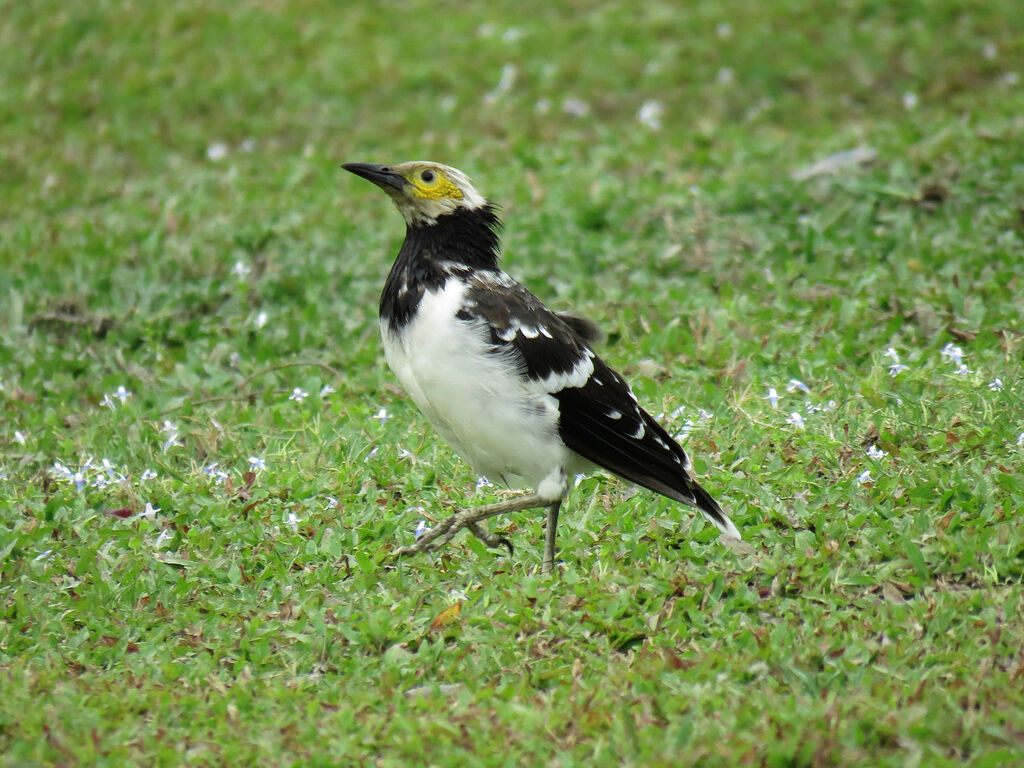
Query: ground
x=204 y=463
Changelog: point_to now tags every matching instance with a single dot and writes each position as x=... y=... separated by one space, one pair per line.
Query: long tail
x=708 y=507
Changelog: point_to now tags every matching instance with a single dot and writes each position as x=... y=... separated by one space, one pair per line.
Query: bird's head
x=422 y=191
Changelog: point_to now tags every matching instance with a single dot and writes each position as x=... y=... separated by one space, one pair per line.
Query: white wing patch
x=556 y=382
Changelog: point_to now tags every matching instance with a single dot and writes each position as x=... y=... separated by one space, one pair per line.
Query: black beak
x=381 y=175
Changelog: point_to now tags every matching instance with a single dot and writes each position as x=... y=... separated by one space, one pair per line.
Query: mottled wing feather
x=598 y=414
x=547 y=345
x=602 y=422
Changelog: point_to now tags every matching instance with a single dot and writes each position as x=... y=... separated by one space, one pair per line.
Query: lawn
x=205 y=463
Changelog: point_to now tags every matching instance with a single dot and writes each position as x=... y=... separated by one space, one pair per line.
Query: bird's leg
x=443 y=532
x=549 y=537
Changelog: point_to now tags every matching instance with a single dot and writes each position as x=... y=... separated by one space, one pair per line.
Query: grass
x=174 y=223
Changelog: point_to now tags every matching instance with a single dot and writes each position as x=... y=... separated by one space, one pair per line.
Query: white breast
x=475 y=399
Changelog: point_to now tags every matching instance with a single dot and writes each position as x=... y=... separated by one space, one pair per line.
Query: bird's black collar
x=460 y=242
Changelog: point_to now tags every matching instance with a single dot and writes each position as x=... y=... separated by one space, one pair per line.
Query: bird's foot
x=492 y=540
x=440 y=534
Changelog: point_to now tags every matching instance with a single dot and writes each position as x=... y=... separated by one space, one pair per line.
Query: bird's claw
x=492 y=540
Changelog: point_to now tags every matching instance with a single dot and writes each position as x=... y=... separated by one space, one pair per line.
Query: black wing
x=599 y=417
x=547 y=346
x=602 y=422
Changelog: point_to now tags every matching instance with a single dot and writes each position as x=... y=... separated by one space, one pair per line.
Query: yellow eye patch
x=437 y=189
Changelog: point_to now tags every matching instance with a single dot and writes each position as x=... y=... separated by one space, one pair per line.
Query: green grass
x=150 y=148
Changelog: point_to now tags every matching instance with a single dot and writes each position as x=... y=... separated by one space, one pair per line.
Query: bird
x=515 y=388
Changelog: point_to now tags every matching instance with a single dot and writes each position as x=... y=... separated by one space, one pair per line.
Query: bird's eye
x=427 y=176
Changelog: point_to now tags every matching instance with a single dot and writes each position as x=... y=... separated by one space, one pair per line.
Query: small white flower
x=864 y=477
x=150 y=511
x=677 y=413
x=421 y=528
x=892 y=354
x=147 y=474
x=542 y=107
x=44 y=555
x=107 y=401
x=772 y=397
x=19 y=437
x=62 y=471
x=989 y=51
x=247 y=145
x=298 y=395
x=122 y=394
x=382 y=415
x=953 y=354
x=575 y=107
x=826 y=408
x=876 y=453
x=326 y=390
x=332 y=503
x=169 y=427
x=483 y=482
x=897 y=368
x=171 y=441
x=725 y=75
x=218 y=475
x=795 y=419
x=512 y=34
x=703 y=417
x=241 y=269
x=260 y=320
x=162 y=539
x=217 y=151
x=404 y=454
x=508 y=79
x=684 y=431
x=795 y=385
x=963 y=370
x=650 y=113
x=372 y=453
x=909 y=100
x=1020 y=439
x=724 y=30
x=257 y=464
x=234 y=359
x=293 y=521
x=996 y=384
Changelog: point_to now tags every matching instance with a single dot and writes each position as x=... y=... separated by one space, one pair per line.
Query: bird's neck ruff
x=467 y=237
x=454 y=244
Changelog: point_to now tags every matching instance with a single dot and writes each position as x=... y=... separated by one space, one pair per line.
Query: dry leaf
x=448 y=616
